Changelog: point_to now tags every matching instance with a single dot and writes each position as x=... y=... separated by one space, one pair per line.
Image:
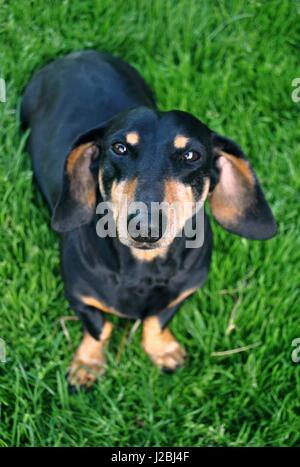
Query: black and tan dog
x=96 y=135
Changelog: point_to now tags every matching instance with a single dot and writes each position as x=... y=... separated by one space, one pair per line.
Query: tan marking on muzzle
x=176 y=191
x=178 y=198
x=181 y=205
x=101 y=184
x=122 y=194
x=180 y=141
x=132 y=138
x=148 y=255
x=94 y=302
x=120 y=191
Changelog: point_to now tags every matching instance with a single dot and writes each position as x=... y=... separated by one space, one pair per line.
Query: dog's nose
x=142 y=227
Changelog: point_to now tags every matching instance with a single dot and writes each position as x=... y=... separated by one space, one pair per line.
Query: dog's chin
x=139 y=245
x=145 y=246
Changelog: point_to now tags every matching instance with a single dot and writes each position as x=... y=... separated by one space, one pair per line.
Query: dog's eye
x=120 y=149
x=191 y=156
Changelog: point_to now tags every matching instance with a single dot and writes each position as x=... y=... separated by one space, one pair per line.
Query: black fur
x=91 y=96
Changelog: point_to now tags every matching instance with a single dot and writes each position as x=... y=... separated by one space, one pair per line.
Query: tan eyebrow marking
x=180 y=141
x=132 y=137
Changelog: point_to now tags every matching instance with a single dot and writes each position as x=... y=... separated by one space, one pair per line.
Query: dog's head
x=144 y=158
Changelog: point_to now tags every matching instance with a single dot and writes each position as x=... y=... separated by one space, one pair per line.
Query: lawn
x=231 y=63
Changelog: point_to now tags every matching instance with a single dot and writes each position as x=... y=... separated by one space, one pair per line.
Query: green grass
x=231 y=63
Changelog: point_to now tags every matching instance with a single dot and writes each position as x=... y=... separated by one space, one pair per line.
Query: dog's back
x=68 y=97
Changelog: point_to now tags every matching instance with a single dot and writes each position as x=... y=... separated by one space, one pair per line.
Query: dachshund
x=96 y=139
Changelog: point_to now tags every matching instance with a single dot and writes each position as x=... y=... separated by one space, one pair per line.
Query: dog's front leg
x=89 y=360
x=160 y=344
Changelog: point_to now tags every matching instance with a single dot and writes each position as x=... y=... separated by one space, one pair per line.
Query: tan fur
x=161 y=345
x=132 y=138
x=120 y=191
x=101 y=184
x=227 y=215
x=179 y=203
x=91 y=301
x=75 y=155
x=122 y=194
x=180 y=141
x=234 y=192
x=241 y=165
x=148 y=255
x=82 y=184
x=176 y=191
x=177 y=196
x=181 y=297
x=90 y=199
x=89 y=360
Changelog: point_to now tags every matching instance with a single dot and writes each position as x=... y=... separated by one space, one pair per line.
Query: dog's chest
x=131 y=294
x=144 y=295
x=131 y=288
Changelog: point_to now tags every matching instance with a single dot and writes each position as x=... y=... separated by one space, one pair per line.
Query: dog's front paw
x=161 y=346
x=89 y=360
x=170 y=357
x=83 y=373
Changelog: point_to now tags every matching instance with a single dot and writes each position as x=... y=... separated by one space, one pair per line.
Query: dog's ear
x=237 y=201
x=77 y=201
